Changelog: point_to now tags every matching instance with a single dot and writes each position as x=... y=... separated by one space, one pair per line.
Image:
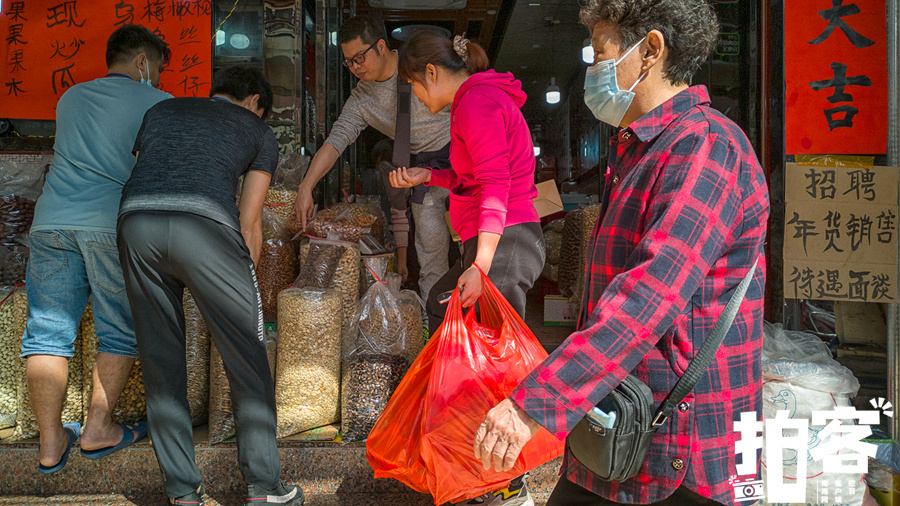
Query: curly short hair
x=690 y=29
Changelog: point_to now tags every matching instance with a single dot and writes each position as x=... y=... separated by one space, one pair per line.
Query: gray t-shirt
x=191 y=154
x=96 y=122
x=375 y=104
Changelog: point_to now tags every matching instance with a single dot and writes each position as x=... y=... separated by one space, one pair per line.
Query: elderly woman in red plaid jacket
x=683 y=220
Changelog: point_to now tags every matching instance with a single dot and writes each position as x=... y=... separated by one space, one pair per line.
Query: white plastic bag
x=800 y=377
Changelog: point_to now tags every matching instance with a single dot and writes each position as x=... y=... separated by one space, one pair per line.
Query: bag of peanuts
x=26 y=422
x=308 y=375
x=374 y=354
x=277 y=267
x=8 y=366
x=132 y=404
x=197 y=342
x=221 y=413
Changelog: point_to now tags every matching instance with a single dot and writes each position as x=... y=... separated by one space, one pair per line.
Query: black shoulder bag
x=617 y=453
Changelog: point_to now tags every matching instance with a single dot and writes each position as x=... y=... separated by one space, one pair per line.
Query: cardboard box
x=559 y=312
x=547 y=202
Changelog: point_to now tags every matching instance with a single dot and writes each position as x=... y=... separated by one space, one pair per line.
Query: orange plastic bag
x=425 y=434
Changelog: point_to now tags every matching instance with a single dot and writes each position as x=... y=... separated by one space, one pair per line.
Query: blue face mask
x=146 y=81
x=601 y=90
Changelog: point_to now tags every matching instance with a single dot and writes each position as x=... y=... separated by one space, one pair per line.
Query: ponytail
x=427 y=46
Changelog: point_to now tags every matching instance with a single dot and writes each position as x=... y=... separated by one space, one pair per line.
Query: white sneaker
x=516 y=494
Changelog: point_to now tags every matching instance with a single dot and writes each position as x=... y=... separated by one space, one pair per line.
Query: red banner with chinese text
x=835 y=67
x=50 y=45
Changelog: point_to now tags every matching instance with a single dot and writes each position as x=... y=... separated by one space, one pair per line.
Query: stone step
x=311 y=500
x=330 y=473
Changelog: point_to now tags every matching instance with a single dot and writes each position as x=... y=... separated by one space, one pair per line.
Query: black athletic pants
x=517 y=264
x=161 y=254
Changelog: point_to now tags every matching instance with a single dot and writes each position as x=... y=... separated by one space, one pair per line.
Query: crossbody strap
x=402 y=131
x=711 y=344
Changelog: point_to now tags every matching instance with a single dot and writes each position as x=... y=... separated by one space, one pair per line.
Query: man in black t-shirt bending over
x=179 y=227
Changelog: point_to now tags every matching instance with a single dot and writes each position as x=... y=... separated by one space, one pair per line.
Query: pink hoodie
x=492 y=180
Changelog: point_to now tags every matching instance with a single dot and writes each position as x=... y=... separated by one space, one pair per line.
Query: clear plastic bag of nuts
x=277 y=266
x=411 y=307
x=221 y=413
x=308 y=375
x=374 y=353
x=374 y=265
x=345 y=277
x=132 y=404
x=197 y=344
x=26 y=422
x=8 y=357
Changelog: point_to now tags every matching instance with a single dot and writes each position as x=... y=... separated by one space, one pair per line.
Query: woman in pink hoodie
x=491 y=183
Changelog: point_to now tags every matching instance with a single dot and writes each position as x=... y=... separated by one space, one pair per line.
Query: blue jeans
x=65 y=268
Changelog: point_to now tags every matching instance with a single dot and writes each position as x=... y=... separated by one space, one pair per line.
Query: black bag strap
x=401 y=153
x=707 y=351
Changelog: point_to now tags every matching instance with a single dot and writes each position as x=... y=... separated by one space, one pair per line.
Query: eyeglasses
x=360 y=58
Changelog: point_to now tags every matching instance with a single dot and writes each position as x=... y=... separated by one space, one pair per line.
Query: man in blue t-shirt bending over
x=73 y=248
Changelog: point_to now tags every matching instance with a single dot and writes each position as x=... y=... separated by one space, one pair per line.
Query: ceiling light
x=552 y=92
x=220 y=38
x=491 y=12
x=587 y=52
x=535 y=46
x=537 y=151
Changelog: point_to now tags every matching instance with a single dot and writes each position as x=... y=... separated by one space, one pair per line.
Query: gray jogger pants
x=161 y=254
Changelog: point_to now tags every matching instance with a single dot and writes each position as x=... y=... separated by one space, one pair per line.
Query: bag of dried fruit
x=277 y=267
x=374 y=354
x=347 y=222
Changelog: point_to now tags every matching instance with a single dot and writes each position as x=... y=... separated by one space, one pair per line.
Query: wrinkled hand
x=471 y=286
x=303 y=206
x=403 y=271
x=503 y=434
x=407 y=178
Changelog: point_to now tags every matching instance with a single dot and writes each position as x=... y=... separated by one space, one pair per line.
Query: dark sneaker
x=193 y=499
x=284 y=495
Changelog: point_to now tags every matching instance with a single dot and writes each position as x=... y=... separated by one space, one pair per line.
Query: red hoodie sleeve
x=482 y=123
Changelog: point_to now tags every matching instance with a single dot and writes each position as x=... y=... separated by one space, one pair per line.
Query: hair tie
x=459 y=45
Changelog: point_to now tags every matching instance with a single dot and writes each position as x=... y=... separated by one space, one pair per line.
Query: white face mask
x=146 y=81
x=601 y=90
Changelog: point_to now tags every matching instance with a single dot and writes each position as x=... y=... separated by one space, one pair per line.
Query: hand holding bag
x=617 y=453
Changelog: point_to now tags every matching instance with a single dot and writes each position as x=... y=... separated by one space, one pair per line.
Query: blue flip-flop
x=73 y=430
x=128 y=439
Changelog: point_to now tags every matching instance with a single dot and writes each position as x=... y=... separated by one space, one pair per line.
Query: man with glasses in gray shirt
x=373 y=102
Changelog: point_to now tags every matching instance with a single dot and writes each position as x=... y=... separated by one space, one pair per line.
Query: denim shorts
x=65 y=269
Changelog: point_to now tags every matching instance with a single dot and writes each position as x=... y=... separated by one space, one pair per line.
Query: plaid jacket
x=684 y=218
